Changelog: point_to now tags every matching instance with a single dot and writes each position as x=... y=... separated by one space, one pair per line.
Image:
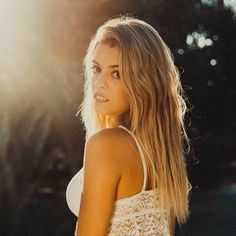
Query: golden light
x=40 y=52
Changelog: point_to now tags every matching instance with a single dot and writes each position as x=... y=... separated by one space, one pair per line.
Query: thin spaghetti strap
x=142 y=156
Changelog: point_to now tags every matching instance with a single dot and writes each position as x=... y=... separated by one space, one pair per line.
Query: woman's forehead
x=105 y=54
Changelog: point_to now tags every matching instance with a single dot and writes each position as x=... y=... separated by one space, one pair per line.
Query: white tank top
x=135 y=215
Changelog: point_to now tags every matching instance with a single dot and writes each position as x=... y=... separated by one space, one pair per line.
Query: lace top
x=132 y=216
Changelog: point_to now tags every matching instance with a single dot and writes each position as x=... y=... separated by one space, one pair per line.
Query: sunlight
x=19 y=24
x=20 y=51
x=39 y=56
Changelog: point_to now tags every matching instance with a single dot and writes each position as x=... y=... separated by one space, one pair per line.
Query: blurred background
x=42 y=44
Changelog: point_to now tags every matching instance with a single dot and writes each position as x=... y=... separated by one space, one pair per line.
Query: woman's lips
x=100 y=98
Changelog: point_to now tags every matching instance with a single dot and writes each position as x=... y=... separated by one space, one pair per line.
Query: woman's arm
x=101 y=178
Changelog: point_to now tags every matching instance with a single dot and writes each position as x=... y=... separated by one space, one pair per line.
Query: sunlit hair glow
x=157 y=106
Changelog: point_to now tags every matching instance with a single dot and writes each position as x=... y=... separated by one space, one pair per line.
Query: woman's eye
x=116 y=74
x=95 y=69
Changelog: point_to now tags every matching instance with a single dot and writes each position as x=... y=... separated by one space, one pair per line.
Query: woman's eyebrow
x=112 y=66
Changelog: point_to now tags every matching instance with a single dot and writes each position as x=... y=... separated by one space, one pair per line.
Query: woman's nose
x=101 y=81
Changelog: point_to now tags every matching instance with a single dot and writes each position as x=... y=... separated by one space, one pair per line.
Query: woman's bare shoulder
x=108 y=136
x=113 y=141
x=110 y=131
x=102 y=175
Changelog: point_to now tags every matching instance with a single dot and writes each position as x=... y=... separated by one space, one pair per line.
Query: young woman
x=133 y=180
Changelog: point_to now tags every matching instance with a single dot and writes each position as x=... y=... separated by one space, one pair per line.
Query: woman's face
x=106 y=82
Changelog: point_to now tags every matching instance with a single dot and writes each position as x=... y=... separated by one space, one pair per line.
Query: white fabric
x=132 y=216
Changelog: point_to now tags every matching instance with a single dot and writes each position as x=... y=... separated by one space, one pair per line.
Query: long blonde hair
x=157 y=106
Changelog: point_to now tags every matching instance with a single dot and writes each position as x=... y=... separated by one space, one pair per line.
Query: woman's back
x=134 y=210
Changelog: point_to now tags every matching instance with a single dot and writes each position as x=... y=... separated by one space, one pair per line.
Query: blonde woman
x=133 y=180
